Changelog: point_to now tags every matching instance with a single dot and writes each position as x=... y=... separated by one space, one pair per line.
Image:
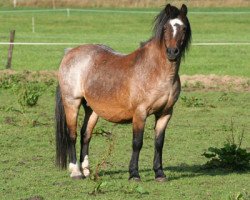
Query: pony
x=121 y=89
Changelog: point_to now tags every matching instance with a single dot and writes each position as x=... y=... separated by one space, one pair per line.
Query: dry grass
x=189 y=83
x=125 y=3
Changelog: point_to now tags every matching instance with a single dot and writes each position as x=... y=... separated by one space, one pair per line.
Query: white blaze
x=173 y=23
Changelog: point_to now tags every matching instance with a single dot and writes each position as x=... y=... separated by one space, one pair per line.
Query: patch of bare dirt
x=35 y=198
x=10 y=121
x=189 y=83
x=31 y=75
x=215 y=83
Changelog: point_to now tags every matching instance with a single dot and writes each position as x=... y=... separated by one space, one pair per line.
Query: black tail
x=62 y=136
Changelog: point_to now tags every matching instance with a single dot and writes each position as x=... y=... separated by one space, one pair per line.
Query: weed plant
x=231 y=156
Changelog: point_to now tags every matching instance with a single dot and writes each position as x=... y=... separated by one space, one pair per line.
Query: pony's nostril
x=176 y=51
x=173 y=53
x=169 y=50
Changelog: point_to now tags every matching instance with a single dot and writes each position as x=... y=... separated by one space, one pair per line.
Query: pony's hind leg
x=89 y=123
x=71 y=111
x=160 y=127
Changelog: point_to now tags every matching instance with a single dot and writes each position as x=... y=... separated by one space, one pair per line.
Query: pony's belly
x=112 y=113
x=115 y=116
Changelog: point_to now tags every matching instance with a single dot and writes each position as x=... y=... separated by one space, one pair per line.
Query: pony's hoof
x=161 y=179
x=86 y=173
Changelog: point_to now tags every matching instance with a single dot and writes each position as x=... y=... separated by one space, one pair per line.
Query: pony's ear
x=168 y=9
x=184 y=9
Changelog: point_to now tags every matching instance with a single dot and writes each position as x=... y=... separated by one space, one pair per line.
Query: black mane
x=161 y=19
x=170 y=12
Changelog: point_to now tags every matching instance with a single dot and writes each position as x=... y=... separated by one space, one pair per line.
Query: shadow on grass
x=178 y=172
x=190 y=171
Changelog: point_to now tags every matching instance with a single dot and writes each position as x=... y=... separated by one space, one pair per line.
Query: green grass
x=124 y=32
x=27 y=150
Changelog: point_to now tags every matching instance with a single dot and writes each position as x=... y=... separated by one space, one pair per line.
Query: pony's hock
x=146 y=82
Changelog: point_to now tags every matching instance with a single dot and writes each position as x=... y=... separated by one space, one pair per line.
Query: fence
x=69 y=11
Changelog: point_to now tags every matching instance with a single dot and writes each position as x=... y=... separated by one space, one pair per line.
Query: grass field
x=202 y=117
x=27 y=151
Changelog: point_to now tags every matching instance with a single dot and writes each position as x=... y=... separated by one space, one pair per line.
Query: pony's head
x=172 y=29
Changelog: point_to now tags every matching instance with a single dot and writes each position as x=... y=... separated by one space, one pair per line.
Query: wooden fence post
x=33 y=24
x=53 y=4
x=12 y=36
x=14 y=3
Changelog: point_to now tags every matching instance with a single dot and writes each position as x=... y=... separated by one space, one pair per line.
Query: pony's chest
x=172 y=98
x=165 y=98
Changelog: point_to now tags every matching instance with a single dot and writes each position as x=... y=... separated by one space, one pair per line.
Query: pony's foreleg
x=138 y=130
x=160 y=127
x=90 y=121
x=71 y=112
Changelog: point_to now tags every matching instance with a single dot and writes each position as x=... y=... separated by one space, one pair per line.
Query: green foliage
x=192 y=101
x=10 y=81
x=25 y=88
x=99 y=188
x=230 y=156
x=139 y=189
x=244 y=195
x=29 y=94
x=136 y=189
x=225 y=97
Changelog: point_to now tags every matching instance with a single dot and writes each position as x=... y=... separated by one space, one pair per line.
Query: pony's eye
x=184 y=29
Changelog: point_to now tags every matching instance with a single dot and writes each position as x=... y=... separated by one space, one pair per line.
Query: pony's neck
x=170 y=69
x=173 y=67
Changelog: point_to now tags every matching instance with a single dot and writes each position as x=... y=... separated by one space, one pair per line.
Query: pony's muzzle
x=173 y=53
